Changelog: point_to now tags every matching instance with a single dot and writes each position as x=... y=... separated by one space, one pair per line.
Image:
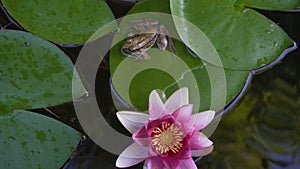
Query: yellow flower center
x=167 y=137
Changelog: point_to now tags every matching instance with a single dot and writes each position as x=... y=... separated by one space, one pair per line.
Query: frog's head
x=128 y=46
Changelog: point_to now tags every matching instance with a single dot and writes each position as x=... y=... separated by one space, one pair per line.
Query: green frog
x=150 y=32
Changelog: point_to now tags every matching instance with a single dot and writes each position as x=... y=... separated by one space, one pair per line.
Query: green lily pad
x=270 y=4
x=66 y=22
x=244 y=38
x=30 y=140
x=34 y=73
x=210 y=87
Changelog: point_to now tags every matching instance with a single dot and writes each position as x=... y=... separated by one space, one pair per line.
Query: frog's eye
x=130 y=35
x=129 y=41
x=131 y=50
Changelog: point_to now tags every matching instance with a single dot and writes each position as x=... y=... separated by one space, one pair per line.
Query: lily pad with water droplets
x=210 y=87
x=269 y=4
x=244 y=38
x=67 y=22
x=30 y=140
x=34 y=73
x=230 y=41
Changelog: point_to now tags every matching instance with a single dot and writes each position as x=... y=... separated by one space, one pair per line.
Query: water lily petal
x=184 y=113
x=155 y=162
x=187 y=128
x=153 y=152
x=202 y=119
x=203 y=152
x=132 y=155
x=156 y=106
x=170 y=162
x=199 y=141
x=177 y=99
x=132 y=121
x=141 y=137
x=187 y=164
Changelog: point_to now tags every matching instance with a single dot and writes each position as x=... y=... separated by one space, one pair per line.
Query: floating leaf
x=244 y=38
x=30 y=140
x=66 y=22
x=210 y=87
x=223 y=33
x=34 y=73
x=270 y=4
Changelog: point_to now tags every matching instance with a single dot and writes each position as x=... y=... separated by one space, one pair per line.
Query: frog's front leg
x=164 y=39
x=146 y=56
x=140 y=57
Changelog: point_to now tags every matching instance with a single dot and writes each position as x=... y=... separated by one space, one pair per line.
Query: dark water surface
x=262 y=132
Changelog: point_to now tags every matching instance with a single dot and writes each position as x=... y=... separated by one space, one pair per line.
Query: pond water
x=263 y=131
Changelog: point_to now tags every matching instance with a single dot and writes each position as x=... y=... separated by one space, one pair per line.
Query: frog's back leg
x=143 y=25
x=141 y=58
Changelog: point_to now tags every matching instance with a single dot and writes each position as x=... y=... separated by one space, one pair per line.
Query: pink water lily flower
x=169 y=136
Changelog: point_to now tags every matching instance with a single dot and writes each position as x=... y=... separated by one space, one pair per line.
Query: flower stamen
x=166 y=138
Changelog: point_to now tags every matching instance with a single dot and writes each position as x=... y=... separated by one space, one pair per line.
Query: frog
x=151 y=32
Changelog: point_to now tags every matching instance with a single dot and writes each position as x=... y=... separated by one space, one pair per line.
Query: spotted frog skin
x=151 y=32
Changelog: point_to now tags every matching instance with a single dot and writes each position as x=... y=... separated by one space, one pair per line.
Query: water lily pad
x=270 y=4
x=66 y=22
x=231 y=39
x=30 y=140
x=34 y=73
x=210 y=87
x=244 y=38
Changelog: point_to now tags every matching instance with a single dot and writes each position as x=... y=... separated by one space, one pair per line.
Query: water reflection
x=263 y=131
x=277 y=120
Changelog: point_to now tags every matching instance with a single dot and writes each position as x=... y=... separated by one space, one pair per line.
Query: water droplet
x=40 y=135
x=56 y=150
x=11 y=138
x=245 y=10
x=261 y=62
x=53 y=139
x=26 y=157
x=25 y=44
x=23 y=144
x=235 y=59
x=116 y=31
